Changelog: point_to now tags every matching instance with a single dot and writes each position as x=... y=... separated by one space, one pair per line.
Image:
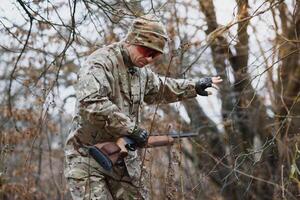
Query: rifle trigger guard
x=130 y=144
x=130 y=147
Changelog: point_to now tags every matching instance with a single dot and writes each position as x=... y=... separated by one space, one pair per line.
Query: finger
x=215 y=86
x=217 y=80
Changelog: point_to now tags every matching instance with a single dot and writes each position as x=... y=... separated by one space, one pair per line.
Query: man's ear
x=129 y=47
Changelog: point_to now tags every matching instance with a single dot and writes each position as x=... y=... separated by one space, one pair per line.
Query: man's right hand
x=140 y=136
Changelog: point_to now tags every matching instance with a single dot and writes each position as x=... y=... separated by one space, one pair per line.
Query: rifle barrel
x=180 y=135
x=183 y=135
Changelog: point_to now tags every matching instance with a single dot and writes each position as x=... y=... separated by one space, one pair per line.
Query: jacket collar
x=127 y=61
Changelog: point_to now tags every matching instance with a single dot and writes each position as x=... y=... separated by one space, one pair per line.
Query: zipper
x=130 y=93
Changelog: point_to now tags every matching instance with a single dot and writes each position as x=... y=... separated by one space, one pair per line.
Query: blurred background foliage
x=247 y=146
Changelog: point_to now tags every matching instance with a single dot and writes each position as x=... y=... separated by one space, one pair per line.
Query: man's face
x=141 y=56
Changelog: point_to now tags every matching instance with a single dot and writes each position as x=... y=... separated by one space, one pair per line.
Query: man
x=113 y=84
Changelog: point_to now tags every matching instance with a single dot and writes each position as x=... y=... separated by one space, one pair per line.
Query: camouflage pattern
x=88 y=180
x=109 y=99
x=147 y=31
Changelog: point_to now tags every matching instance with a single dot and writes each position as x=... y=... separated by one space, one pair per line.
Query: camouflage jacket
x=110 y=96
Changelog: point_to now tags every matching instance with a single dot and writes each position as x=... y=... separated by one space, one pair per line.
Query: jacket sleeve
x=93 y=90
x=167 y=90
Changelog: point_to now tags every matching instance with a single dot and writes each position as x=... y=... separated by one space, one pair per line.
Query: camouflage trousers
x=87 y=180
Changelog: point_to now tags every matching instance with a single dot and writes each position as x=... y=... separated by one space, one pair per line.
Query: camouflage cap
x=147 y=31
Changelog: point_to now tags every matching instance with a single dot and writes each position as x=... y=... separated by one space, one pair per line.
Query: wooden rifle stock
x=160 y=140
x=121 y=142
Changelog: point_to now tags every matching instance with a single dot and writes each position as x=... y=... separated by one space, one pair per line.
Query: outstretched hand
x=205 y=83
x=215 y=81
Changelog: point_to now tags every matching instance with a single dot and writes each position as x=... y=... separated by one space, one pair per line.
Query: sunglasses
x=147 y=52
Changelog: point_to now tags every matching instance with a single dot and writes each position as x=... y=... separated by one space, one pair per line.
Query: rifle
x=108 y=154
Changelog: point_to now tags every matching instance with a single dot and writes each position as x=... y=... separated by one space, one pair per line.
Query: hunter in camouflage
x=113 y=84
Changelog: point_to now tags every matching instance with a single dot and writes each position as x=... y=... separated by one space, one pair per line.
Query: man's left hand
x=207 y=82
